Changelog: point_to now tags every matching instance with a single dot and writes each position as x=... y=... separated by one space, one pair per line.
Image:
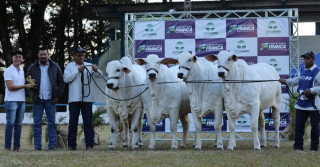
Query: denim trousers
x=301 y=118
x=37 y=123
x=14 y=115
x=86 y=112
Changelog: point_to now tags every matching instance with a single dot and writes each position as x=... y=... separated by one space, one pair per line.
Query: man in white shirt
x=78 y=75
x=14 y=101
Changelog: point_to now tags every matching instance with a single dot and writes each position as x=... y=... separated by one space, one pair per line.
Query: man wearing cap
x=14 y=101
x=308 y=104
x=49 y=89
x=78 y=75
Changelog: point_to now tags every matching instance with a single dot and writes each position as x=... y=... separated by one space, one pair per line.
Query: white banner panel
x=149 y=30
x=272 y=27
x=210 y=29
x=242 y=46
x=175 y=46
x=280 y=63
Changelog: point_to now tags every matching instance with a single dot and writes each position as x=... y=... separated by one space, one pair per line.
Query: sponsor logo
x=242 y=122
x=208 y=122
x=209 y=29
x=146 y=123
x=241 y=47
x=274 y=63
x=178 y=48
x=270 y=122
x=149 y=48
x=273 y=46
x=272 y=28
x=308 y=78
x=209 y=47
x=241 y=28
x=149 y=30
x=179 y=29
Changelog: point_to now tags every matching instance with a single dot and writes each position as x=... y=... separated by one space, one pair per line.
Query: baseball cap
x=16 y=52
x=309 y=54
x=79 y=49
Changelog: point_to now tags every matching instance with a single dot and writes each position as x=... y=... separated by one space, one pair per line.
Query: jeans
x=301 y=118
x=86 y=112
x=37 y=123
x=14 y=115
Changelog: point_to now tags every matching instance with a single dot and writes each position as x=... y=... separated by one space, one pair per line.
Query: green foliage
x=97 y=120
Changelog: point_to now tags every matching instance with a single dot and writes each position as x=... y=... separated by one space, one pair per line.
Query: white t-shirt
x=17 y=78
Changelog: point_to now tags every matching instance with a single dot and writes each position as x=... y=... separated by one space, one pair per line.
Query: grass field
x=244 y=155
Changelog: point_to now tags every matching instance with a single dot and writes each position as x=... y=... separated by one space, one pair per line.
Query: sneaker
x=8 y=149
x=37 y=149
x=313 y=151
x=72 y=148
x=53 y=149
x=298 y=150
x=89 y=148
x=16 y=149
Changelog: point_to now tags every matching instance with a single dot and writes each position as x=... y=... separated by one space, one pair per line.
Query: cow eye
x=118 y=70
x=189 y=60
x=158 y=62
x=229 y=59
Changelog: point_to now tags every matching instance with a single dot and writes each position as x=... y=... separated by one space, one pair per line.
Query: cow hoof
x=150 y=149
x=140 y=144
x=263 y=146
x=231 y=149
x=111 y=149
x=220 y=148
x=197 y=149
x=215 y=146
x=257 y=149
x=276 y=146
x=174 y=149
x=135 y=148
x=183 y=146
x=125 y=146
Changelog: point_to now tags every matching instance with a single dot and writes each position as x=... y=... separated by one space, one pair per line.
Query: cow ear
x=140 y=61
x=168 y=61
x=194 y=58
x=234 y=58
x=211 y=58
x=126 y=70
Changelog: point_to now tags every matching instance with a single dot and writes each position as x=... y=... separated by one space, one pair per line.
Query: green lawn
x=244 y=155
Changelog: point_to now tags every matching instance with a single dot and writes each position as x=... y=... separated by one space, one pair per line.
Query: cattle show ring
x=193 y=88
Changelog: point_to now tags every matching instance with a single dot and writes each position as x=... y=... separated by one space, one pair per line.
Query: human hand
x=95 y=68
x=28 y=86
x=81 y=69
x=54 y=101
x=282 y=80
x=307 y=92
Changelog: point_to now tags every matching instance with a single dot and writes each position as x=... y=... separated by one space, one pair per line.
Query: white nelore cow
x=121 y=74
x=205 y=98
x=164 y=100
x=251 y=98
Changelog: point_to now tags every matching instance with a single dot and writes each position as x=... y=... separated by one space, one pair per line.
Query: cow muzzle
x=221 y=74
x=180 y=75
x=110 y=85
x=152 y=76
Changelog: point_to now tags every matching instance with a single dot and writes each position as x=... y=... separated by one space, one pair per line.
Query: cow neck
x=126 y=92
x=233 y=90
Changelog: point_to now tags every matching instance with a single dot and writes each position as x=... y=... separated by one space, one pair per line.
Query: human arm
x=12 y=87
x=70 y=73
x=316 y=88
x=290 y=81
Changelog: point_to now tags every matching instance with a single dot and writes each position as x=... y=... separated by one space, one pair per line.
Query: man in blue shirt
x=48 y=91
x=308 y=104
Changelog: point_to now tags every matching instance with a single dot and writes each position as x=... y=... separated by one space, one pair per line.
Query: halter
x=153 y=69
x=224 y=67
x=114 y=77
x=184 y=67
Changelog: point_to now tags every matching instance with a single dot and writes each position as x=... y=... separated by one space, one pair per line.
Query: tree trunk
x=4 y=34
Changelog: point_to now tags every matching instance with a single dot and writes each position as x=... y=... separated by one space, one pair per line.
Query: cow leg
x=276 y=122
x=152 y=136
x=262 y=129
x=218 y=115
x=254 y=127
x=134 y=129
x=173 y=129
x=185 y=125
x=125 y=142
x=197 y=125
x=140 y=143
x=113 y=128
x=232 y=128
